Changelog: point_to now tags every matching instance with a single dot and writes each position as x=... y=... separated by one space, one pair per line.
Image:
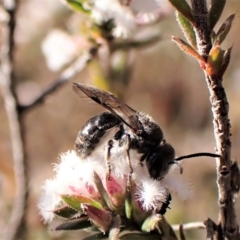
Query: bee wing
x=119 y=109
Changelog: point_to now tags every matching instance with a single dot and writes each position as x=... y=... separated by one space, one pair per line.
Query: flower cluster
x=125 y=14
x=84 y=189
x=100 y=21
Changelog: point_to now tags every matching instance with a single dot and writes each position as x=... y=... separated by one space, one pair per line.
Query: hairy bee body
x=136 y=130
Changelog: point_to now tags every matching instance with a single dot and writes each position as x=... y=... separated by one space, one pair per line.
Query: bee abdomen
x=93 y=131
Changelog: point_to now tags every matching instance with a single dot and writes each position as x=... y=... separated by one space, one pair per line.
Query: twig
x=189 y=226
x=66 y=75
x=221 y=123
x=17 y=224
x=125 y=45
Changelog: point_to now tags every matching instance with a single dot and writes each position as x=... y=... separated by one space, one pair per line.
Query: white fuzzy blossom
x=151 y=194
x=59 y=49
x=49 y=200
x=123 y=17
x=126 y=14
x=177 y=184
x=76 y=176
x=147 y=6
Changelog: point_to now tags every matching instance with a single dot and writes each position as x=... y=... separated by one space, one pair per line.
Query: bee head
x=159 y=160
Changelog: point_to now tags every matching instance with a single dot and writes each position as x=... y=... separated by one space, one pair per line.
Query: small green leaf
x=224 y=30
x=183 y=7
x=77 y=5
x=226 y=61
x=213 y=37
x=128 y=200
x=181 y=232
x=101 y=218
x=215 y=12
x=185 y=47
x=214 y=61
x=166 y=229
x=151 y=223
x=75 y=202
x=187 y=29
x=103 y=193
x=74 y=224
x=65 y=212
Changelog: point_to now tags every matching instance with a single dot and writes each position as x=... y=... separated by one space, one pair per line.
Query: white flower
x=59 y=49
x=49 y=201
x=144 y=6
x=125 y=14
x=73 y=176
x=176 y=183
x=151 y=193
x=76 y=176
x=123 y=17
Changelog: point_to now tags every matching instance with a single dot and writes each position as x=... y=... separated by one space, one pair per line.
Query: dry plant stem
x=227 y=215
x=189 y=226
x=65 y=76
x=131 y=44
x=17 y=225
x=203 y=32
x=220 y=107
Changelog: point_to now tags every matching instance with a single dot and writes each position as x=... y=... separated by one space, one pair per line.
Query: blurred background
x=160 y=80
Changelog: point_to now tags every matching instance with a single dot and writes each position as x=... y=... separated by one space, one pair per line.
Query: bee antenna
x=178 y=164
x=203 y=154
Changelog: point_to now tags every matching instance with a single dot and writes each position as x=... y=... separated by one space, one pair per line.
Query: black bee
x=136 y=131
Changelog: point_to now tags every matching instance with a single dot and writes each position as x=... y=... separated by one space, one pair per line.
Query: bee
x=136 y=131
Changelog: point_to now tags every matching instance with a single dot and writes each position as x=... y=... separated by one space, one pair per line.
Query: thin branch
x=202 y=30
x=66 y=75
x=125 y=45
x=221 y=123
x=189 y=226
x=17 y=225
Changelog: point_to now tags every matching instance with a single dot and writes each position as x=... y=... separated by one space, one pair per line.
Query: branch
x=202 y=30
x=66 y=75
x=215 y=61
x=221 y=123
x=126 y=45
x=17 y=224
x=189 y=226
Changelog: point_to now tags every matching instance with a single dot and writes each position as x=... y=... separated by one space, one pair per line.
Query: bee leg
x=118 y=135
x=126 y=140
x=143 y=157
x=165 y=204
x=128 y=155
x=107 y=157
